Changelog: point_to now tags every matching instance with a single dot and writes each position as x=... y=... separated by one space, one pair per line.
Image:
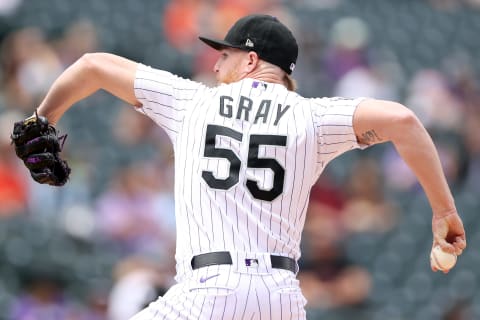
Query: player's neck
x=267 y=73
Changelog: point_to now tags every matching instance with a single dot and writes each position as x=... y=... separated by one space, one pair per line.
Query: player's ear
x=252 y=61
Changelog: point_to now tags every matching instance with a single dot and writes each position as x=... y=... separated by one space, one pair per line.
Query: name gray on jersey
x=245 y=106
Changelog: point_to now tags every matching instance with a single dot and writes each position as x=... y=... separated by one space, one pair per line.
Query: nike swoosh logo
x=204 y=279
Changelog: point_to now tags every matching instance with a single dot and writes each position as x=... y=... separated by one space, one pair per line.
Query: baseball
x=442 y=260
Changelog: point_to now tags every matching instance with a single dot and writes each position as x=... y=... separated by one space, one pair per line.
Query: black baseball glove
x=38 y=145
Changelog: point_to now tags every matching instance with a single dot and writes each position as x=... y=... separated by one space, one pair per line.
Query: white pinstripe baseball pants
x=221 y=292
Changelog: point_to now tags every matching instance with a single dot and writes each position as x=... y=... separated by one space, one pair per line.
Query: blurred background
x=102 y=246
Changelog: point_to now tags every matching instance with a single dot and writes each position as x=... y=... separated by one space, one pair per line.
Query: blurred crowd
x=114 y=220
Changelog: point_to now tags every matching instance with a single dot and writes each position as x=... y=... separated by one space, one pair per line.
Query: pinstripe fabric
x=230 y=295
x=246 y=157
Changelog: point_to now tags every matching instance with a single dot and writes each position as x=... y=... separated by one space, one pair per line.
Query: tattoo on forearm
x=370 y=137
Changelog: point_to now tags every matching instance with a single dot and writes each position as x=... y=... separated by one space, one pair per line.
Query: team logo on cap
x=292 y=66
x=249 y=43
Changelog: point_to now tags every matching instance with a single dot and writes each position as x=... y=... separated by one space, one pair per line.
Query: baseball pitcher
x=247 y=153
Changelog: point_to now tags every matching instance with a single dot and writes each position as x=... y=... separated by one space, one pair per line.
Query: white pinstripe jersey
x=246 y=156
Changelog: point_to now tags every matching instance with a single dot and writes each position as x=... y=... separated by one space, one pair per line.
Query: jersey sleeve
x=333 y=125
x=165 y=97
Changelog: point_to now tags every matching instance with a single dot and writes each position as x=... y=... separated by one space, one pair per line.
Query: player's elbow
x=404 y=118
x=94 y=69
x=404 y=122
x=394 y=117
x=91 y=63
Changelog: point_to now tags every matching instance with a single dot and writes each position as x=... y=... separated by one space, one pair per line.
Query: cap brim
x=217 y=44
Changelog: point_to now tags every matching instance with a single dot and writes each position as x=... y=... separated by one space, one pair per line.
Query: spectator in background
x=367 y=209
x=42 y=299
x=216 y=20
x=137 y=282
x=127 y=213
x=441 y=105
x=7 y=7
x=96 y=307
x=367 y=81
x=327 y=196
x=29 y=67
x=329 y=280
x=180 y=23
x=430 y=97
x=460 y=310
x=79 y=37
x=454 y=156
x=13 y=177
x=347 y=47
x=131 y=129
x=445 y=5
x=464 y=85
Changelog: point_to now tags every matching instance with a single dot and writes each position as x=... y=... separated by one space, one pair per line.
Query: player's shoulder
x=327 y=102
x=149 y=73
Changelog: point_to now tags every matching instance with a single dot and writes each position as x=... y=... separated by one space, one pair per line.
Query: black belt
x=224 y=257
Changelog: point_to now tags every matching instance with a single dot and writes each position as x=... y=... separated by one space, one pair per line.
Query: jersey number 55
x=255 y=140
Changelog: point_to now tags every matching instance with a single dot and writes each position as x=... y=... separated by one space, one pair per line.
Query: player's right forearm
x=73 y=85
x=86 y=76
x=377 y=121
x=417 y=149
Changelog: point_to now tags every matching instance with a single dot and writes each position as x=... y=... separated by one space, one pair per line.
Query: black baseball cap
x=263 y=34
